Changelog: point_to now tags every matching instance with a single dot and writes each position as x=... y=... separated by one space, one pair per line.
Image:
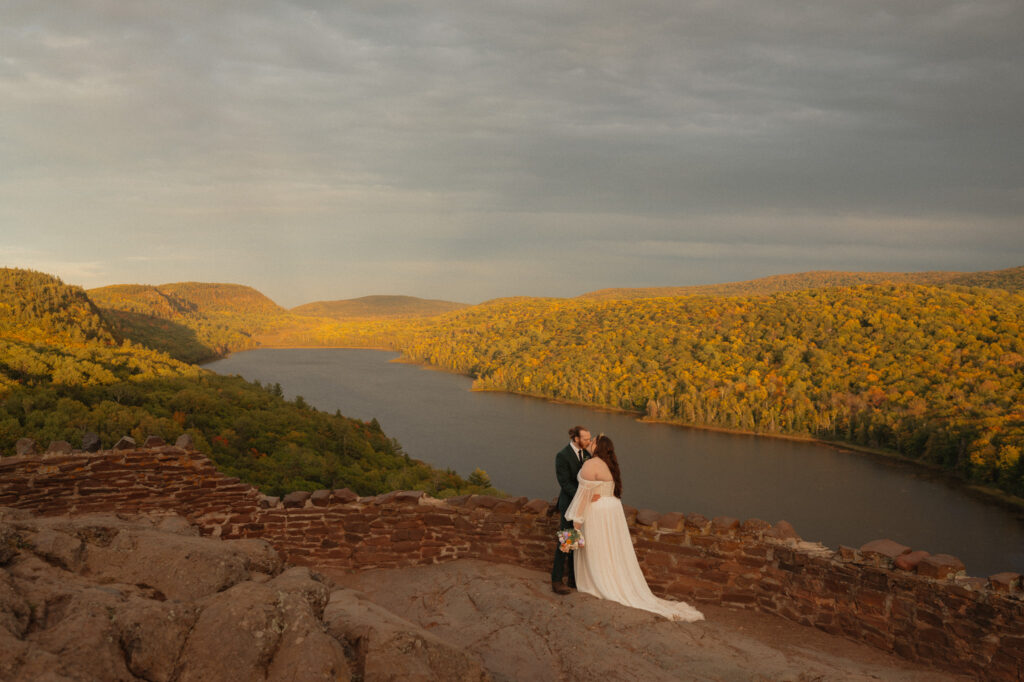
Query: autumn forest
x=927 y=366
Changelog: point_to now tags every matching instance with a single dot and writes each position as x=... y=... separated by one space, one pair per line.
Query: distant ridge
x=192 y=321
x=184 y=298
x=1011 y=279
x=377 y=307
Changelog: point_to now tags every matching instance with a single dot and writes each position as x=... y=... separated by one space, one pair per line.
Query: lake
x=830 y=495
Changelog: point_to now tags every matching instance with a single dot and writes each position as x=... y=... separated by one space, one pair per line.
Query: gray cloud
x=435 y=137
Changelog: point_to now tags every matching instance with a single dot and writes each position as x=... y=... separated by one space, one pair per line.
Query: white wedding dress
x=606 y=565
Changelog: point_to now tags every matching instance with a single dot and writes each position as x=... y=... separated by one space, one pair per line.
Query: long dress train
x=606 y=565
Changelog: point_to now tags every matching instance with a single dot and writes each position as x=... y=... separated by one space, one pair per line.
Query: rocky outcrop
x=918 y=605
x=109 y=598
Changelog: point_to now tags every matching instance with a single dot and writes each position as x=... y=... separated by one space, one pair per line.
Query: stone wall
x=927 y=610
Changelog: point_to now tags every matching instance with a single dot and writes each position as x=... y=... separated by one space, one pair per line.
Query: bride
x=606 y=565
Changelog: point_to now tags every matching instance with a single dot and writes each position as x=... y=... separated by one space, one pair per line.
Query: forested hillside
x=35 y=307
x=1011 y=279
x=192 y=321
x=63 y=373
x=934 y=373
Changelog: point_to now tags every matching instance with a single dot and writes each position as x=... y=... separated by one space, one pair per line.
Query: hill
x=36 y=307
x=64 y=373
x=385 y=307
x=1011 y=279
x=191 y=321
x=933 y=373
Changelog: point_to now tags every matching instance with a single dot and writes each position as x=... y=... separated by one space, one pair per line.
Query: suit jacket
x=567 y=467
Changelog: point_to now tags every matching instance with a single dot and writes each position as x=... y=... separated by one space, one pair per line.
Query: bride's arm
x=577 y=510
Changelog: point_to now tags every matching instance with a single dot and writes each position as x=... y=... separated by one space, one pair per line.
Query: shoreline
x=985 y=493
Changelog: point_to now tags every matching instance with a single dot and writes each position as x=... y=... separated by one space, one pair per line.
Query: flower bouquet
x=570 y=539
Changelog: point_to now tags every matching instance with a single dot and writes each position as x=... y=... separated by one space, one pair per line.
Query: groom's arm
x=563 y=472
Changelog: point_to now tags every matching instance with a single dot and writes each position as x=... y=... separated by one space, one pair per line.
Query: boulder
x=783 y=530
x=320 y=498
x=154 y=442
x=910 y=560
x=91 y=442
x=883 y=550
x=297 y=498
x=345 y=496
x=25 y=446
x=59 y=447
x=647 y=517
x=537 y=506
x=940 y=566
x=185 y=442
x=724 y=524
x=126 y=443
x=1002 y=582
x=671 y=521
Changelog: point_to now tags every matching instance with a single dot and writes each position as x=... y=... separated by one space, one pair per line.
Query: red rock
x=537 y=506
x=510 y=505
x=409 y=496
x=783 y=530
x=885 y=548
x=320 y=498
x=940 y=566
x=1005 y=582
x=154 y=442
x=698 y=521
x=296 y=499
x=724 y=524
x=910 y=560
x=345 y=496
x=754 y=526
x=672 y=521
x=647 y=517
x=485 y=501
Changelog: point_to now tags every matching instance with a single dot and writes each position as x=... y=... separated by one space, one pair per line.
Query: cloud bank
x=468 y=150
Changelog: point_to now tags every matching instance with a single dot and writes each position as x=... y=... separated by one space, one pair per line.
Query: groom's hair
x=574 y=432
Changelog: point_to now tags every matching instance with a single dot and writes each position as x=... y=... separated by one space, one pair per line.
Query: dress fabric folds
x=606 y=565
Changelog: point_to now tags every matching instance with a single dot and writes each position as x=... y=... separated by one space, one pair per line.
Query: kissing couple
x=590 y=501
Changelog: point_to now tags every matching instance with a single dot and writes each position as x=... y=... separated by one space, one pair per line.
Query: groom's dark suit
x=567 y=466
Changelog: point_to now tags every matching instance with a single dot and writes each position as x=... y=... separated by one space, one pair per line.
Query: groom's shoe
x=560 y=588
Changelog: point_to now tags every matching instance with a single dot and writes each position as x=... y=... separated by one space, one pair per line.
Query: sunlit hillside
x=192 y=321
x=1011 y=279
x=64 y=373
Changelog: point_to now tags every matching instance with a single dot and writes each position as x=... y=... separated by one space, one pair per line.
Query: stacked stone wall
x=930 y=613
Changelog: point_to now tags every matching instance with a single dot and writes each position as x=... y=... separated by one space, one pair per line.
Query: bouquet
x=569 y=539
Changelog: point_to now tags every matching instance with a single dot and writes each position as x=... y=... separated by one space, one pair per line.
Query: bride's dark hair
x=605 y=451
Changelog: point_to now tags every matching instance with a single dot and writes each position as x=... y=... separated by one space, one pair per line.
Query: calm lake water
x=829 y=495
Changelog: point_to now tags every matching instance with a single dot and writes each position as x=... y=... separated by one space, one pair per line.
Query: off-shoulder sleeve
x=581 y=502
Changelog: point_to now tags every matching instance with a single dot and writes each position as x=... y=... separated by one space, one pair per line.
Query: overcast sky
x=468 y=149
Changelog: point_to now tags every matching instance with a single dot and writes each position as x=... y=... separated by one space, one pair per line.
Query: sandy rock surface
x=510 y=618
x=145 y=598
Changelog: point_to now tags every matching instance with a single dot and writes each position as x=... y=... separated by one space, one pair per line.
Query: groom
x=567 y=465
